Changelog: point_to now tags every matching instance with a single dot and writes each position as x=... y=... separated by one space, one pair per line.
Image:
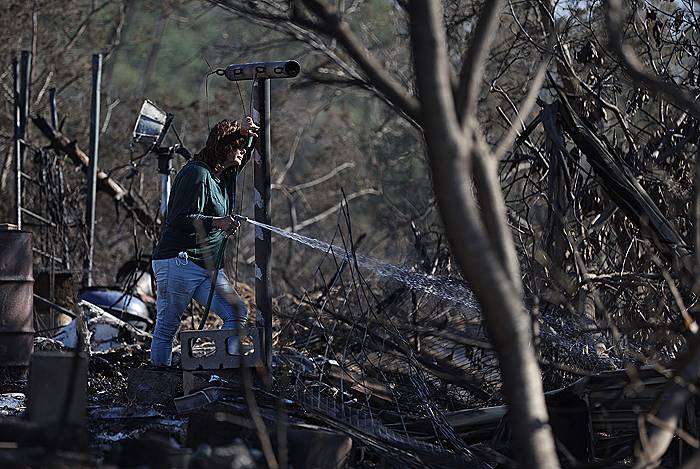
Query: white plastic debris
x=106 y=331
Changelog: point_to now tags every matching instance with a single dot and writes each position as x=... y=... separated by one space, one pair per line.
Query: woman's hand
x=249 y=128
x=228 y=224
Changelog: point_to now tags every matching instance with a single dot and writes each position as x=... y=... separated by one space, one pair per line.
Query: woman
x=197 y=223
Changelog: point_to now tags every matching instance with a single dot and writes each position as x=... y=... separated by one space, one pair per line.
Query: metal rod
x=65 y=311
x=22 y=82
x=164 y=193
x=47 y=255
x=54 y=110
x=25 y=74
x=263 y=244
x=52 y=285
x=64 y=240
x=38 y=217
x=17 y=145
x=92 y=172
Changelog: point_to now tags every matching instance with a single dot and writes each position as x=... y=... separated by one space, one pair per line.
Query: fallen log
x=106 y=184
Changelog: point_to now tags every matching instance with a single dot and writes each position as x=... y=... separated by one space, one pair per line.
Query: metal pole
x=54 y=111
x=22 y=82
x=164 y=193
x=263 y=244
x=26 y=74
x=17 y=145
x=165 y=166
x=92 y=172
x=261 y=73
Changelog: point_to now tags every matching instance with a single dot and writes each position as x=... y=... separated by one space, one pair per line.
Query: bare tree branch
x=680 y=97
x=337 y=27
x=526 y=107
x=318 y=180
x=475 y=60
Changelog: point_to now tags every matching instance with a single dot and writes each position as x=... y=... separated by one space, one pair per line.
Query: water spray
x=446 y=288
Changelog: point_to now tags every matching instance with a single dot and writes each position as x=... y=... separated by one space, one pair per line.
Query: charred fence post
x=261 y=73
x=92 y=172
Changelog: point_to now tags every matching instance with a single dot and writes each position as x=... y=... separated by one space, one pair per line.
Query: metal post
x=263 y=244
x=165 y=193
x=22 y=83
x=17 y=145
x=26 y=74
x=165 y=167
x=52 y=105
x=261 y=73
x=92 y=172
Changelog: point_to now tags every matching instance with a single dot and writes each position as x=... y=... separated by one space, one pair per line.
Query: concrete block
x=310 y=446
x=219 y=358
x=149 y=387
x=49 y=384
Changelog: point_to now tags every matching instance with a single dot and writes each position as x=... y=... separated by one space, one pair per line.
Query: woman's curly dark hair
x=223 y=136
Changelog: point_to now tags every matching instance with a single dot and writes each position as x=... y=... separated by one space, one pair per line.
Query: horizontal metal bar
x=16 y=278
x=46 y=254
x=65 y=311
x=38 y=217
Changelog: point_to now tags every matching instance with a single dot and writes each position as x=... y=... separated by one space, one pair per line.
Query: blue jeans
x=177 y=282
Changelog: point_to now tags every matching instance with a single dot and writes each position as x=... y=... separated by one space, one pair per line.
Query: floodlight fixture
x=152 y=125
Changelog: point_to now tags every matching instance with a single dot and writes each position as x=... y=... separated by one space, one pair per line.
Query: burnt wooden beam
x=626 y=192
x=106 y=184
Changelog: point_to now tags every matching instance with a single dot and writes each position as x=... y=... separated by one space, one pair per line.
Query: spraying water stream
x=560 y=333
x=443 y=287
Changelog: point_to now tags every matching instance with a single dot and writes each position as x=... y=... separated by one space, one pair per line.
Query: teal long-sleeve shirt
x=197 y=196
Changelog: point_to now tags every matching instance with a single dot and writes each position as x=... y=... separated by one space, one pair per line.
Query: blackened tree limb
x=63 y=144
x=297 y=22
x=627 y=193
x=474 y=60
x=677 y=95
x=571 y=83
x=331 y=23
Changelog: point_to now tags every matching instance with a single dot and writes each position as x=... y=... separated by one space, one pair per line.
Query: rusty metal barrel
x=16 y=298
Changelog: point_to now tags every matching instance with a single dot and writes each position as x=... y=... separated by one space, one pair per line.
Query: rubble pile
x=130 y=417
x=347 y=387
